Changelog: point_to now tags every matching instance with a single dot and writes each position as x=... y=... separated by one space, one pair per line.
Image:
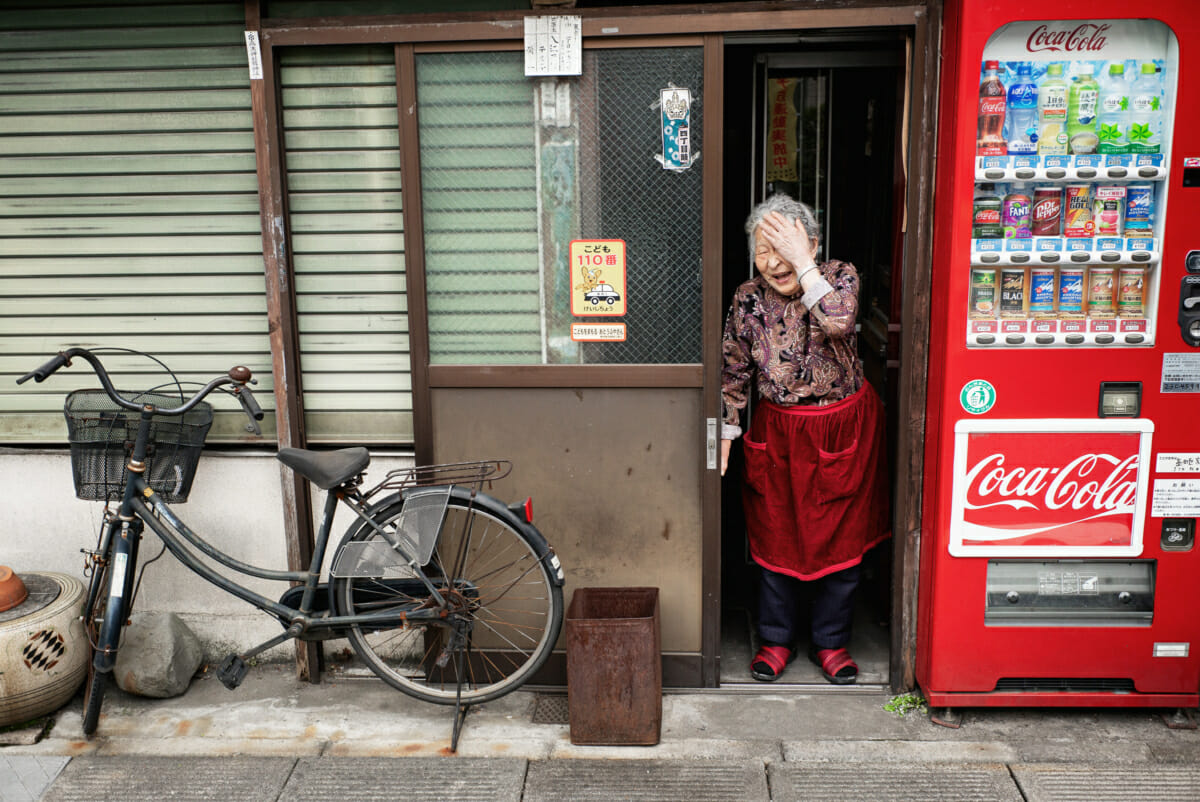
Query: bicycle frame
x=141 y=503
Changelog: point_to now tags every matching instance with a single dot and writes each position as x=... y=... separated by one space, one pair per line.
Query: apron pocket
x=839 y=473
x=756 y=465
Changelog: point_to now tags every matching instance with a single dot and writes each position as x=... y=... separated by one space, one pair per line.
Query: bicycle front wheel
x=483 y=565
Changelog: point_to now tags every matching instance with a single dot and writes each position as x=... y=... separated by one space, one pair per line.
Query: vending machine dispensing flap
x=1189 y=310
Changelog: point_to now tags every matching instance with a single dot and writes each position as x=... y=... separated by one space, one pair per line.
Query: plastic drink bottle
x=1023 y=112
x=1052 y=112
x=1114 y=111
x=989 y=139
x=1145 y=111
x=1082 y=98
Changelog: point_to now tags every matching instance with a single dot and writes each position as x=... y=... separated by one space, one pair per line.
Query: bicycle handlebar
x=238 y=376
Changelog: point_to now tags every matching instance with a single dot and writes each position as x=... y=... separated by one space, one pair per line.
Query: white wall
x=235 y=504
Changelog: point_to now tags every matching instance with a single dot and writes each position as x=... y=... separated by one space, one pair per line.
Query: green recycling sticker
x=977 y=396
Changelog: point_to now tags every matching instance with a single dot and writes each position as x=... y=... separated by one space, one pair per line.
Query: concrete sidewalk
x=277 y=738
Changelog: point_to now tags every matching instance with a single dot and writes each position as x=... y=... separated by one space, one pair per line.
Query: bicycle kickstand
x=460 y=710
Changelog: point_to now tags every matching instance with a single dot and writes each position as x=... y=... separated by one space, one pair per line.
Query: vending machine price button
x=1103 y=325
x=1110 y=256
x=1056 y=161
x=987 y=245
x=1051 y=257
x=1048 y=243
x=1117 y=160
x=1108 y=243
x=1079 y=243
x=1148 y=159
x=1018 y=244
x=1104 y=339
x=1044 y=339
x=1139 y=243
x=1089 y=160
x=989 y=162
x=1023 y=161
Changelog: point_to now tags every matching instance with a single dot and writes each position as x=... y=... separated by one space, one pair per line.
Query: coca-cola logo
x=987 y=216
x=1087 y=36
x=1046 y=209
x=991 y=105
x=1078 y=489
x=1094 y=483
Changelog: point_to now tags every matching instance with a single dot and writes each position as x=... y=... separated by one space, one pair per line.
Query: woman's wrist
x=804 y=271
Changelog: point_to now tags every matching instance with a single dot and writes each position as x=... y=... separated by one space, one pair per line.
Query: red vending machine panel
x=1058 y=559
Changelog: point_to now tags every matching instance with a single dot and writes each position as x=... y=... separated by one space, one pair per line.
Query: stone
x=159 y=656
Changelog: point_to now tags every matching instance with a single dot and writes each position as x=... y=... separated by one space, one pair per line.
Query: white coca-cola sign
x=1052 y=488
x=1086 y=37
x=1079 y=40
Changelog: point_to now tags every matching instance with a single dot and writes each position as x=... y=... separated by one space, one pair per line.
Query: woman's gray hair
x=787 y=206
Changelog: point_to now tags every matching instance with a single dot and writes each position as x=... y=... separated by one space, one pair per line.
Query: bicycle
x=445 y=593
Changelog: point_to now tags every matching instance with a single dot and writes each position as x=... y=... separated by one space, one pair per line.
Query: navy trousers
x=831 y=600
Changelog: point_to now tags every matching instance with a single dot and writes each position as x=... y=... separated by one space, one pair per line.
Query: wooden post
x=281 y=315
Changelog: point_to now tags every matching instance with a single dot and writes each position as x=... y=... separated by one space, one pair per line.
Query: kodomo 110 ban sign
x=1052 y=488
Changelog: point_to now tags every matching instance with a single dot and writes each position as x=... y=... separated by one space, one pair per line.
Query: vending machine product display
x=1078 y=177
x=1058 y=558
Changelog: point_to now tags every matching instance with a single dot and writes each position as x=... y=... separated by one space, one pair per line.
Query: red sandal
x=768 y=664
x=837 y=666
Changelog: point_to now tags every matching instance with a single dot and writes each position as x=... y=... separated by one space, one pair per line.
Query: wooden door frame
x=711 y=21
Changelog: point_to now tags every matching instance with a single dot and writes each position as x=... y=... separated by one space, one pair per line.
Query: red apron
x=816 y=494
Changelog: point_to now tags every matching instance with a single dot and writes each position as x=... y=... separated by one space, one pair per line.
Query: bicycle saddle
x=325 y=469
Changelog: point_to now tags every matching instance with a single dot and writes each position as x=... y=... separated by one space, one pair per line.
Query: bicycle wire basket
x=101 y=435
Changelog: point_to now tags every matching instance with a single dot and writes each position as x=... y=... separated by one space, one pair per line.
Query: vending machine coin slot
x=1178 y=534
x=1189 y=310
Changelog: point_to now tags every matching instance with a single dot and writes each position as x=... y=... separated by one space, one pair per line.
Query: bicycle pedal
x=232 y=671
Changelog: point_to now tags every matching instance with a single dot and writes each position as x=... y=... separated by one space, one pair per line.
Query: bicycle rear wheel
x=487 y=566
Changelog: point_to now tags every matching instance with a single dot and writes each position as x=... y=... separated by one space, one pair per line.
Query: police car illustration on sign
x=602 y=292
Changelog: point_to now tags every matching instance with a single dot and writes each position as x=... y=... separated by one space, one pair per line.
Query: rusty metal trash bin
x=614 y=667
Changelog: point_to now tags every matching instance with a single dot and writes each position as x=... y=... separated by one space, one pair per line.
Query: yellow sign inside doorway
x=598 y=277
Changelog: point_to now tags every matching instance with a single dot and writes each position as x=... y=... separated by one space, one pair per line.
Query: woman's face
x=778 y=272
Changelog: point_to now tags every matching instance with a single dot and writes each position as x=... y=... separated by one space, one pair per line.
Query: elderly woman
x=815 y=480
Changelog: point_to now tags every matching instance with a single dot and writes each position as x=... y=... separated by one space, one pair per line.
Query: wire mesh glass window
x=514 y=169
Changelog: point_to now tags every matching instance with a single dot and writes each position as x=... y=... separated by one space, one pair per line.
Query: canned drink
x=1012 y=292
x=983 y=293
x=1100 y=292
x=1070 y=292
x=1139 y=210
x=1047 y=212
x=1108 y=211
x=1131 y=291
x=1016 y=214
x=1077 y=211
x=1042 y=289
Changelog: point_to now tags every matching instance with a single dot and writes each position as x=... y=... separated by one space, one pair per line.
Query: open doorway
x=839 y=149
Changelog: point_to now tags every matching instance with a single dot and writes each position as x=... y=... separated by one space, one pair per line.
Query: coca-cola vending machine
x=1058 y=556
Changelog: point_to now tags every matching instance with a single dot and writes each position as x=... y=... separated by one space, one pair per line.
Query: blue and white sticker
x=977 y=396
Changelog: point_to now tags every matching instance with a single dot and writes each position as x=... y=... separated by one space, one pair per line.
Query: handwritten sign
x=553 y=45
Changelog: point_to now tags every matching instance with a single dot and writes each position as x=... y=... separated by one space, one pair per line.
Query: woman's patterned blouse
x=797 y=355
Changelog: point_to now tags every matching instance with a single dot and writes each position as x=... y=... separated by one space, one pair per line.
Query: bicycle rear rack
x=468 y=474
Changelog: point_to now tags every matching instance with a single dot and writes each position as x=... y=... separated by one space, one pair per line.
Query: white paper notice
x=1177 y=463
x=254 y=55
x=1181 y=373
x=1175 y=498
x=553 y=45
